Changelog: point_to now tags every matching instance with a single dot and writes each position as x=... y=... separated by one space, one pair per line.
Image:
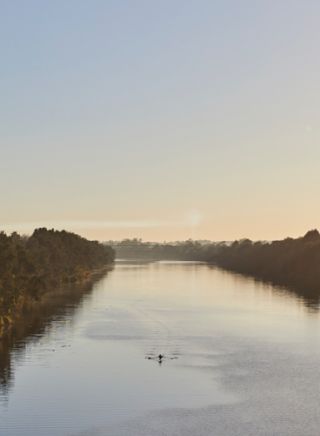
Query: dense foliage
x=290 y=262
x=31 y=267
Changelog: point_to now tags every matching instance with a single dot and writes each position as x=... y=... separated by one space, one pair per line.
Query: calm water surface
x=241 y=358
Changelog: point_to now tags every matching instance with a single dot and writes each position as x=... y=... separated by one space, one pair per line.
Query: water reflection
x=309 y=297
x=238 y=346
x=34 y=325
x=65 y=302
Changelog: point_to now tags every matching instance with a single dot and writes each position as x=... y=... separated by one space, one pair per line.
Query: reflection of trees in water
x=5 y=365
x=293 y=264
x=289 y=263
x=310 y=298
x=34 y=325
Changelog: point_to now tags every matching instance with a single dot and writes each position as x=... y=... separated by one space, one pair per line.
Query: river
x=240 y=358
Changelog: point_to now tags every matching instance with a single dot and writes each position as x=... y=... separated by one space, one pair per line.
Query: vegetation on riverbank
x=37 y=321
x=139 y=250
x=290 y=262
x=293 y=263
x=33 y=267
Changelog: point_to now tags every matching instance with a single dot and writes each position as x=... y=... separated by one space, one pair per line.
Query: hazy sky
x=160 y=119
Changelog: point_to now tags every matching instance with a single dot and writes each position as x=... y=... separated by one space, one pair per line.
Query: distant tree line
x=293 y=263
x=31 y=267
x=186 y=250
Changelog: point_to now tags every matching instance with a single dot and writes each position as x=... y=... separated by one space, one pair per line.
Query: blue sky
x=163 y=120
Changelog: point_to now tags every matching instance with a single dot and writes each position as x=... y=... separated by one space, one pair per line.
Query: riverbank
x=35 y=270
x=39 y=317
x=292 y=262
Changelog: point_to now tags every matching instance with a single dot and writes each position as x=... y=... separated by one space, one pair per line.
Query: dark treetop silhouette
x=31 y=268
